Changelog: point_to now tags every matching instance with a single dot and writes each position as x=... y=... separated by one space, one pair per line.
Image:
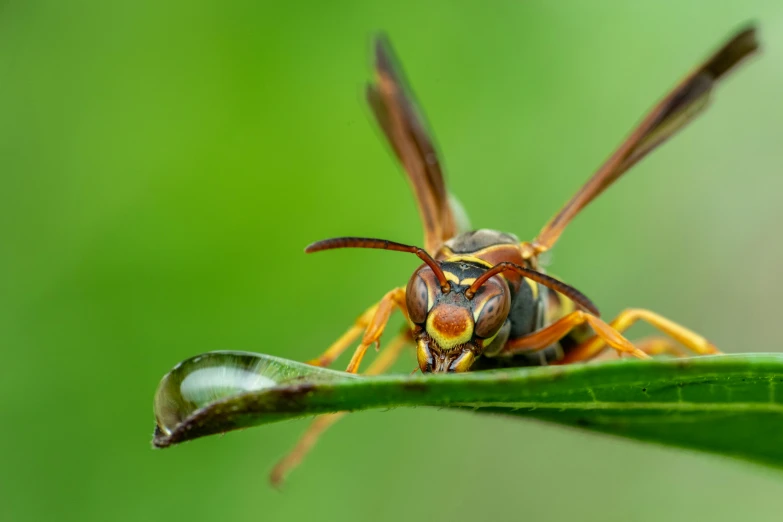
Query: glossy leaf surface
x=728 y=404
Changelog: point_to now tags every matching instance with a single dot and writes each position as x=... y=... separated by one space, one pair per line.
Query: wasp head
x=453 y=328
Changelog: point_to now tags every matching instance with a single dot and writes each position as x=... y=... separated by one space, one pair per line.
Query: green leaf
x=727 y=404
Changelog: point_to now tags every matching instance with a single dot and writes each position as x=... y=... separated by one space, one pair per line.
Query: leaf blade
x=726 y=404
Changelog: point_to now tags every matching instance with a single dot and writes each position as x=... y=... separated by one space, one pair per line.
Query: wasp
x=480 y=298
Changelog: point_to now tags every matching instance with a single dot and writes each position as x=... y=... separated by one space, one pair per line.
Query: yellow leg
x=322 y=423
x=341 y=344
x=372 y=335
x=593 y=346
x=372 y=322
x=655 y=345
x=552 y=333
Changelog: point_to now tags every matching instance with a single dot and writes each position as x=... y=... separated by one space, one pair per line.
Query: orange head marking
x=450 y=325
x=452 y=330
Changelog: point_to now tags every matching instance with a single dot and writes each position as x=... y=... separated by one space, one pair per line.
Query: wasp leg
x=372 y=335
x=322 y=423
x=654 y=345
x=657 y=345
x=341 y=344
x=306 y=442
x=371 y=322
x=593 y=346
x=552 y=333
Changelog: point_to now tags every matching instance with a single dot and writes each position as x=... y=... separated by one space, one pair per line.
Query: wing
x=683 y=104
x=396 y=112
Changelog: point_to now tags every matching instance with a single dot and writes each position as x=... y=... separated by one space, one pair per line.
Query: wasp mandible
x=480 y=299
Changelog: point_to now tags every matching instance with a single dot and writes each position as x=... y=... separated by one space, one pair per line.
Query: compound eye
x=492 y=315
x=417 y=298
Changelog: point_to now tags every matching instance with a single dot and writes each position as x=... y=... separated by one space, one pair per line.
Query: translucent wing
x=683 y=104
x=395 y=109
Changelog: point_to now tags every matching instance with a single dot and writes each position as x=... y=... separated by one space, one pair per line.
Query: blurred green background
x=162 y=165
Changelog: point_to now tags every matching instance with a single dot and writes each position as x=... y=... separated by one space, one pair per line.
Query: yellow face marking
x=464 y=362
x=450 y=326
x=489 y=340
x=478 y=306
x=464 y=259
x=451 y=277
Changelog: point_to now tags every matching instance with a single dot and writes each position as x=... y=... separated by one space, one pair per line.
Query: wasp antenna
x=382 y=244
x=549 y=282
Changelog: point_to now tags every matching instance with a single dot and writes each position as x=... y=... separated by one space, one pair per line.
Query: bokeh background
x=162 y=165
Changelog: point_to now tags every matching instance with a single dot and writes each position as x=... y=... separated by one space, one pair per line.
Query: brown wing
x=684 y=103
x=394 y=108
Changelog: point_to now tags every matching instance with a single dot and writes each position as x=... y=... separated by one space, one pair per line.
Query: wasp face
x=451 y=330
